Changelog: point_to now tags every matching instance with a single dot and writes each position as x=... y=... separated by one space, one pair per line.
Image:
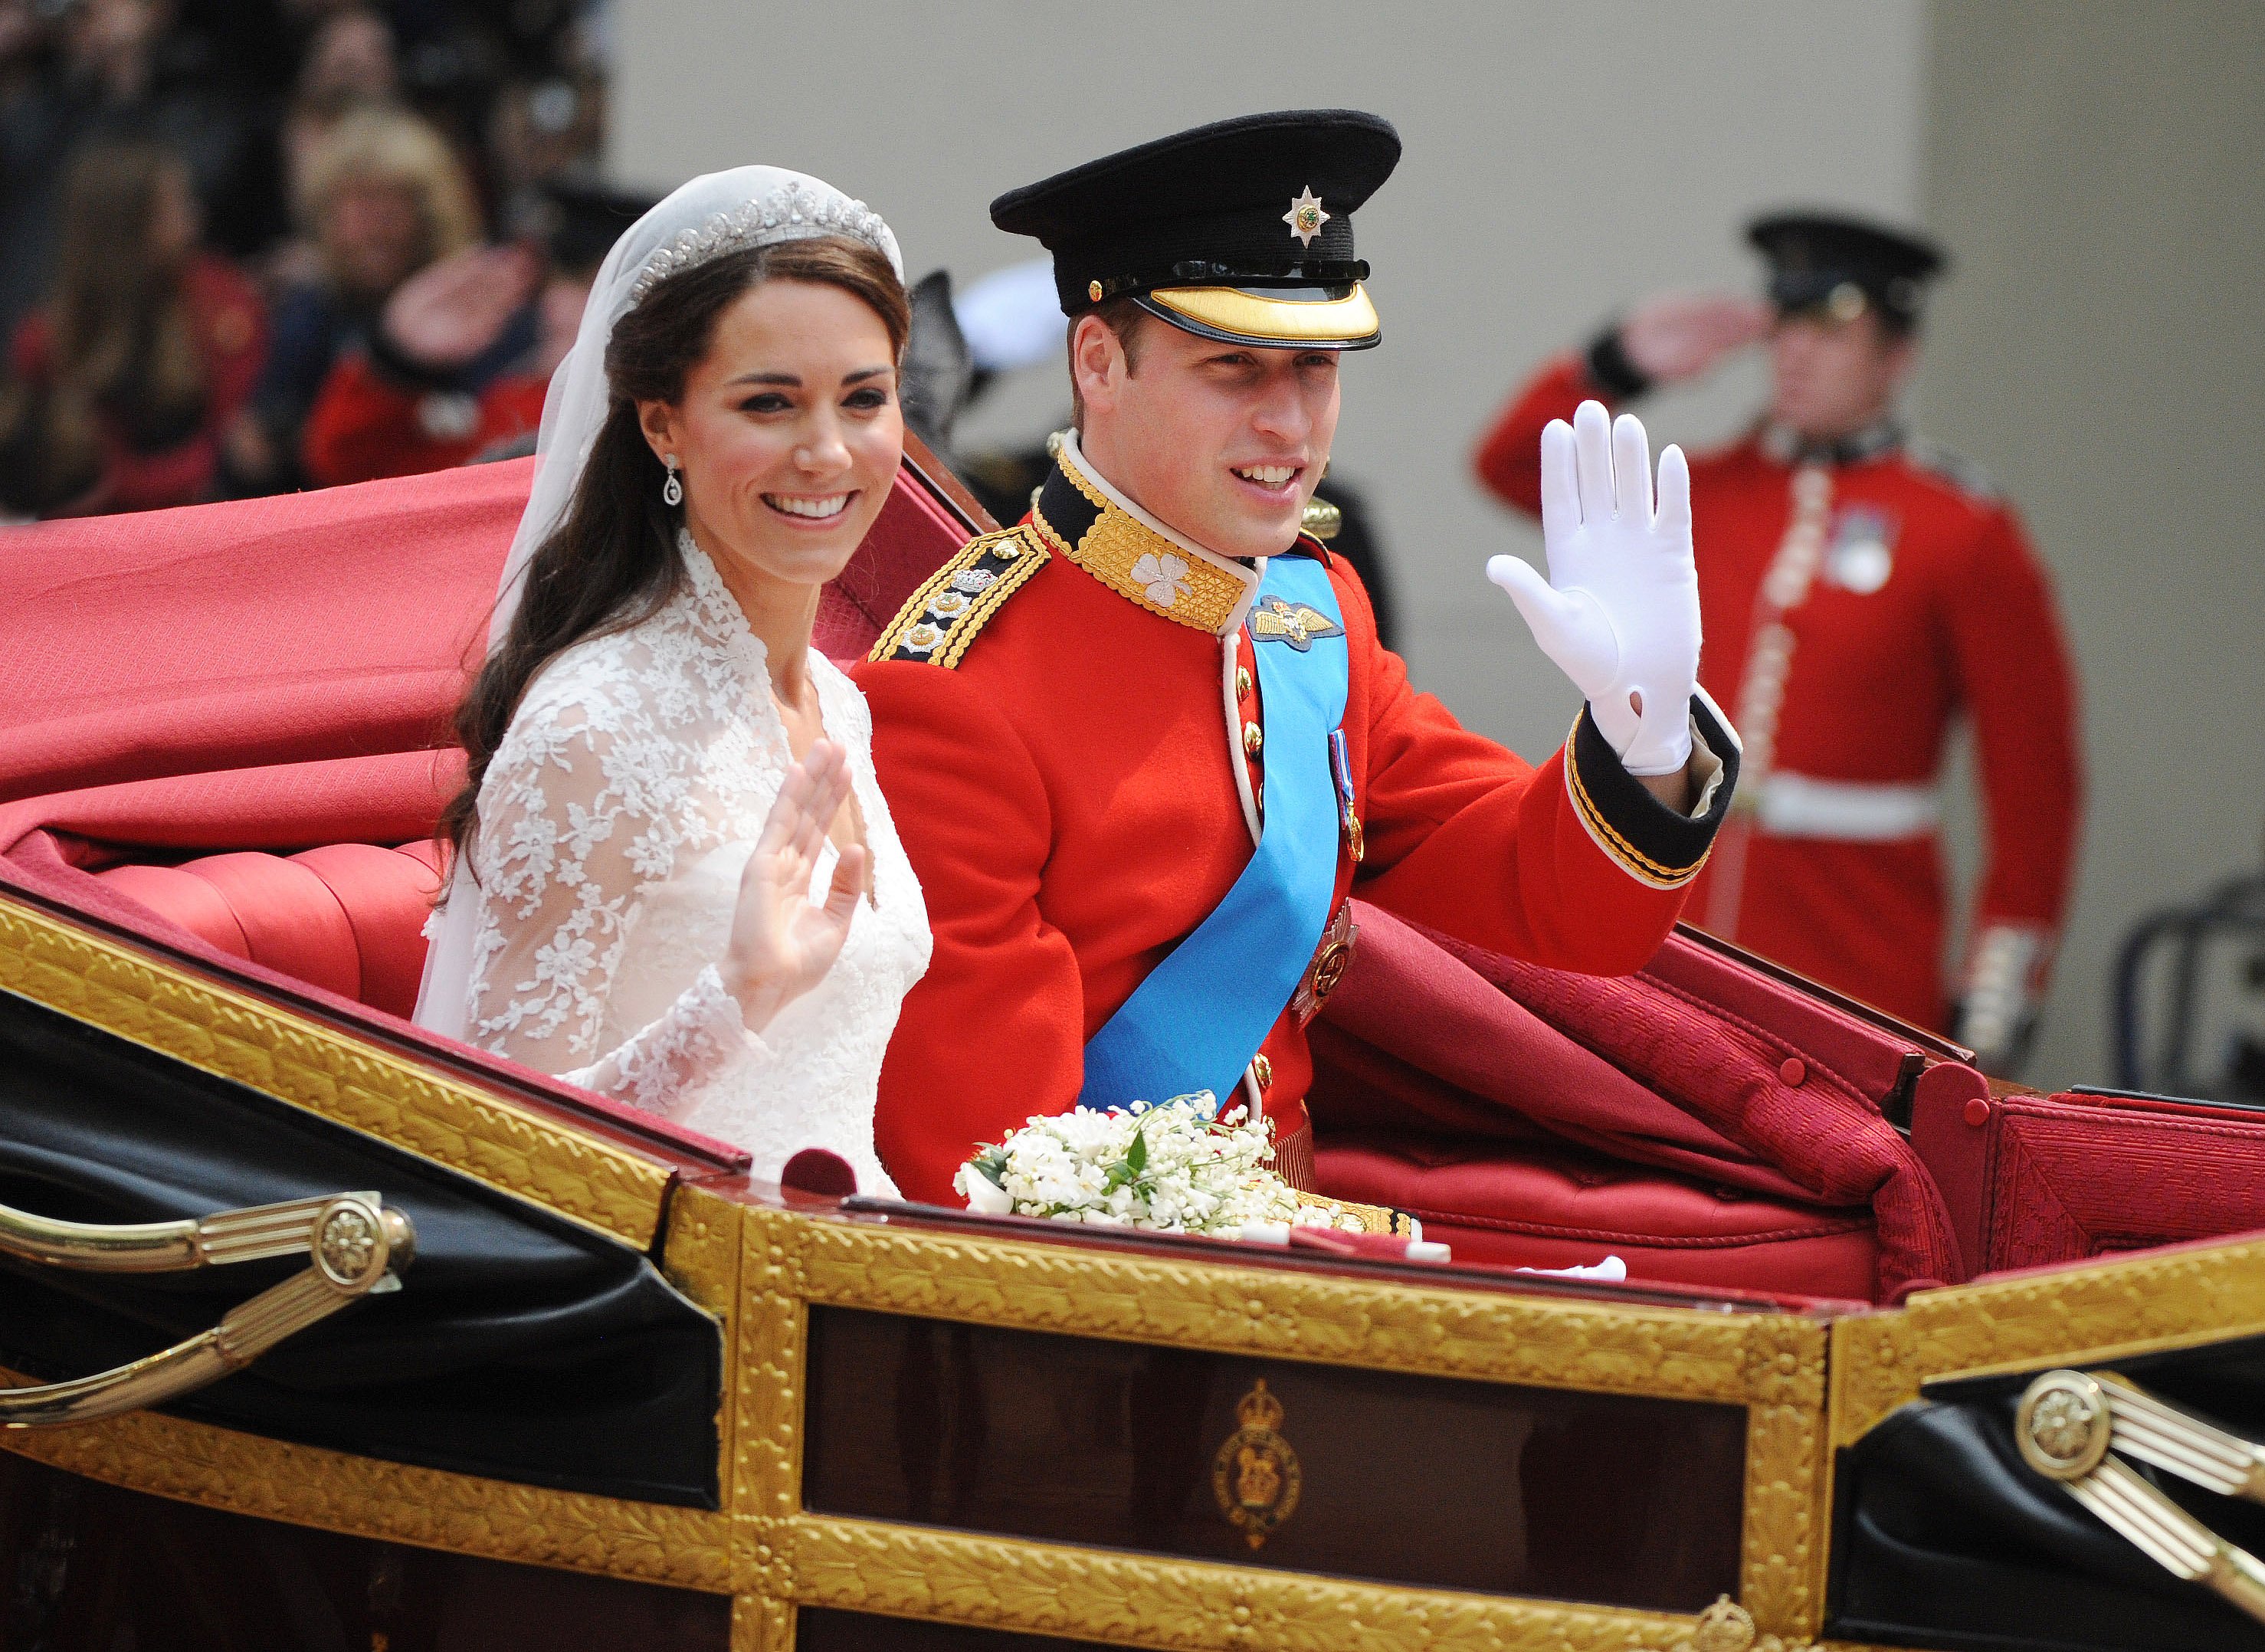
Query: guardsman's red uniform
x=365 y=425
x=1856 y=601
x=1065 y=718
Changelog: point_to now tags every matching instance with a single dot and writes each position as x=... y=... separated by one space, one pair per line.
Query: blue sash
x=1202 y=1013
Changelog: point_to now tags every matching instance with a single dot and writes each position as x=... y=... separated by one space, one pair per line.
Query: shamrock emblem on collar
x=1162 y=579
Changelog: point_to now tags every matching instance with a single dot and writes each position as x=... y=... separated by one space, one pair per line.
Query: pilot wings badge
x=1295 y=623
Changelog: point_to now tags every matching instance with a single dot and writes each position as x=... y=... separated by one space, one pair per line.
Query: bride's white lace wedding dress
x=615 y=820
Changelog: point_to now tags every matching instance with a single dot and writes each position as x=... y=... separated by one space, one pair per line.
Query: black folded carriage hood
x=523 y=1347
x=1944 y=1537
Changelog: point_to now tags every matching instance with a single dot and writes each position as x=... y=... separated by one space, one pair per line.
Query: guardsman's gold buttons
x=1253 y=739
x=1261 y=1071
x=1243 y=682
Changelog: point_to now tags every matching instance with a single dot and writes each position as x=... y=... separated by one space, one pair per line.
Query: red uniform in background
x=1856 y=601
x=365 y=425
x=1074 y=787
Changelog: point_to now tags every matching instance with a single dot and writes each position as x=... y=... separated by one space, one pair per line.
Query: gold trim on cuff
x=1630 y=859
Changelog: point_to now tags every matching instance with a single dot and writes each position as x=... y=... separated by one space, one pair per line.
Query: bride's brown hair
x=612 y=561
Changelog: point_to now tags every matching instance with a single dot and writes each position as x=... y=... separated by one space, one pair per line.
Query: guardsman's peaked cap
x=1842 y=265
x=1240 y=230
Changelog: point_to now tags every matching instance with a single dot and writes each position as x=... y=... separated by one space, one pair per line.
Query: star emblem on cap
x=1306 y=216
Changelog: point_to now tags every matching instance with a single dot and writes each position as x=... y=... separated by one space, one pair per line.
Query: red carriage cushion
x=346 y=917
x=280 y=672
x=1541 y=1206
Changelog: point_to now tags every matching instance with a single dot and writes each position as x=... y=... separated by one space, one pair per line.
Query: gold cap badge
x=1306 y=216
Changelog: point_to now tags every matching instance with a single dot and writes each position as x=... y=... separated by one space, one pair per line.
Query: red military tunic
x=365 y=425
x=1060 y=728
x=1905 y=591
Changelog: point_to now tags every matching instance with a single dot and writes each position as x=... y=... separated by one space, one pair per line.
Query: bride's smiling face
x=788 y=435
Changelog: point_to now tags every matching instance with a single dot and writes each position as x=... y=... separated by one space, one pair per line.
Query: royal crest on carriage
x=1254 y=1475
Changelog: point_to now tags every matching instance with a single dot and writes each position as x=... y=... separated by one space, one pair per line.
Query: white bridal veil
x=712 y=216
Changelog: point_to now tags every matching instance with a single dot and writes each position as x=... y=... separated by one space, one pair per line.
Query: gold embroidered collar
x=1118 y=544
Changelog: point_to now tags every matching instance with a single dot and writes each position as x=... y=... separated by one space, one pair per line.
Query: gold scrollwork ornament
x=1254 y=1475
x=1727 y=1627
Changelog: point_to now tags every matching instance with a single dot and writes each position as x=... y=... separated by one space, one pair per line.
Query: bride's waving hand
x=783 y=942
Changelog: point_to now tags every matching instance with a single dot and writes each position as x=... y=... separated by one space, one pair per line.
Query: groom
x=1141 y=748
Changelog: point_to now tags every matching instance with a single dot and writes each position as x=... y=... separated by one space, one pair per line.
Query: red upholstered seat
x=346 y=917
x=2036 y=1180
x=1540 y=1206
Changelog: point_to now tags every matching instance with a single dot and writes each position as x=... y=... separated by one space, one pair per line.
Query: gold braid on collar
x=1079 y=520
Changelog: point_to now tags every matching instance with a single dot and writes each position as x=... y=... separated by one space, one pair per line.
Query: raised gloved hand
x=1620 y=610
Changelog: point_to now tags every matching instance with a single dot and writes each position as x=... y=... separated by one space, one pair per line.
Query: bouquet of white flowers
x=1175 y=1167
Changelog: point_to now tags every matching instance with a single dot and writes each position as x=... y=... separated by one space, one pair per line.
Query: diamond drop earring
x=671 y=491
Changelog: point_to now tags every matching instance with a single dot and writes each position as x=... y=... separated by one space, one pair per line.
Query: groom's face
x=1222 y=442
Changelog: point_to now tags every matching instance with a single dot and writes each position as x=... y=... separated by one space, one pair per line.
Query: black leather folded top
x=1943 y=1537
x=523 y=1346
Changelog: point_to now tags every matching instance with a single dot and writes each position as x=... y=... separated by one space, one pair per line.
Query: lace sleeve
x=578 y=817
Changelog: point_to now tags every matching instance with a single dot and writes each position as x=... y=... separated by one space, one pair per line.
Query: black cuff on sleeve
x=396 y=366
x=507 y=350
x=1652 y=842
x=1610 y=368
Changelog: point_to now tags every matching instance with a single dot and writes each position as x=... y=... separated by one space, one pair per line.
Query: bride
x=677 y=883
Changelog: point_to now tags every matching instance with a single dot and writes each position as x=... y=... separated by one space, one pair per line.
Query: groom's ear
x=657 y=421
x=1098 y=361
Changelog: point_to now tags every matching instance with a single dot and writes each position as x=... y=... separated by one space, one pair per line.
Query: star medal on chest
x=1295 y=623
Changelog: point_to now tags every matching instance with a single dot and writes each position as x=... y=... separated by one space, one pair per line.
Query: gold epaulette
x=943 y=617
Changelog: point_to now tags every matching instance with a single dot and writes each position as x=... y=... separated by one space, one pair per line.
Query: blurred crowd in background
x=254 y=245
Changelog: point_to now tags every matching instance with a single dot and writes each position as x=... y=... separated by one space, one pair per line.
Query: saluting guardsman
x=1861 y=591
x=1141 y=746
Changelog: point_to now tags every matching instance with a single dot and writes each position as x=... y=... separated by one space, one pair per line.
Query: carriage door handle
x=2077 y=1427
x=356 y=1245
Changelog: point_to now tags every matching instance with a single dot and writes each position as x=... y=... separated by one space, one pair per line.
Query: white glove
x=1620 y=611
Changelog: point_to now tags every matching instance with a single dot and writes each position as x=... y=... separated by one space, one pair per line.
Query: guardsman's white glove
x=1620 y=610
x=1996 y=1015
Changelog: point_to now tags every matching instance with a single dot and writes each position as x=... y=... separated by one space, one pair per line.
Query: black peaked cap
x=1812 y=254
x=1210 y=208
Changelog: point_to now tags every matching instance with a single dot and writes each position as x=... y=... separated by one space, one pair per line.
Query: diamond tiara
x=789 y=213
